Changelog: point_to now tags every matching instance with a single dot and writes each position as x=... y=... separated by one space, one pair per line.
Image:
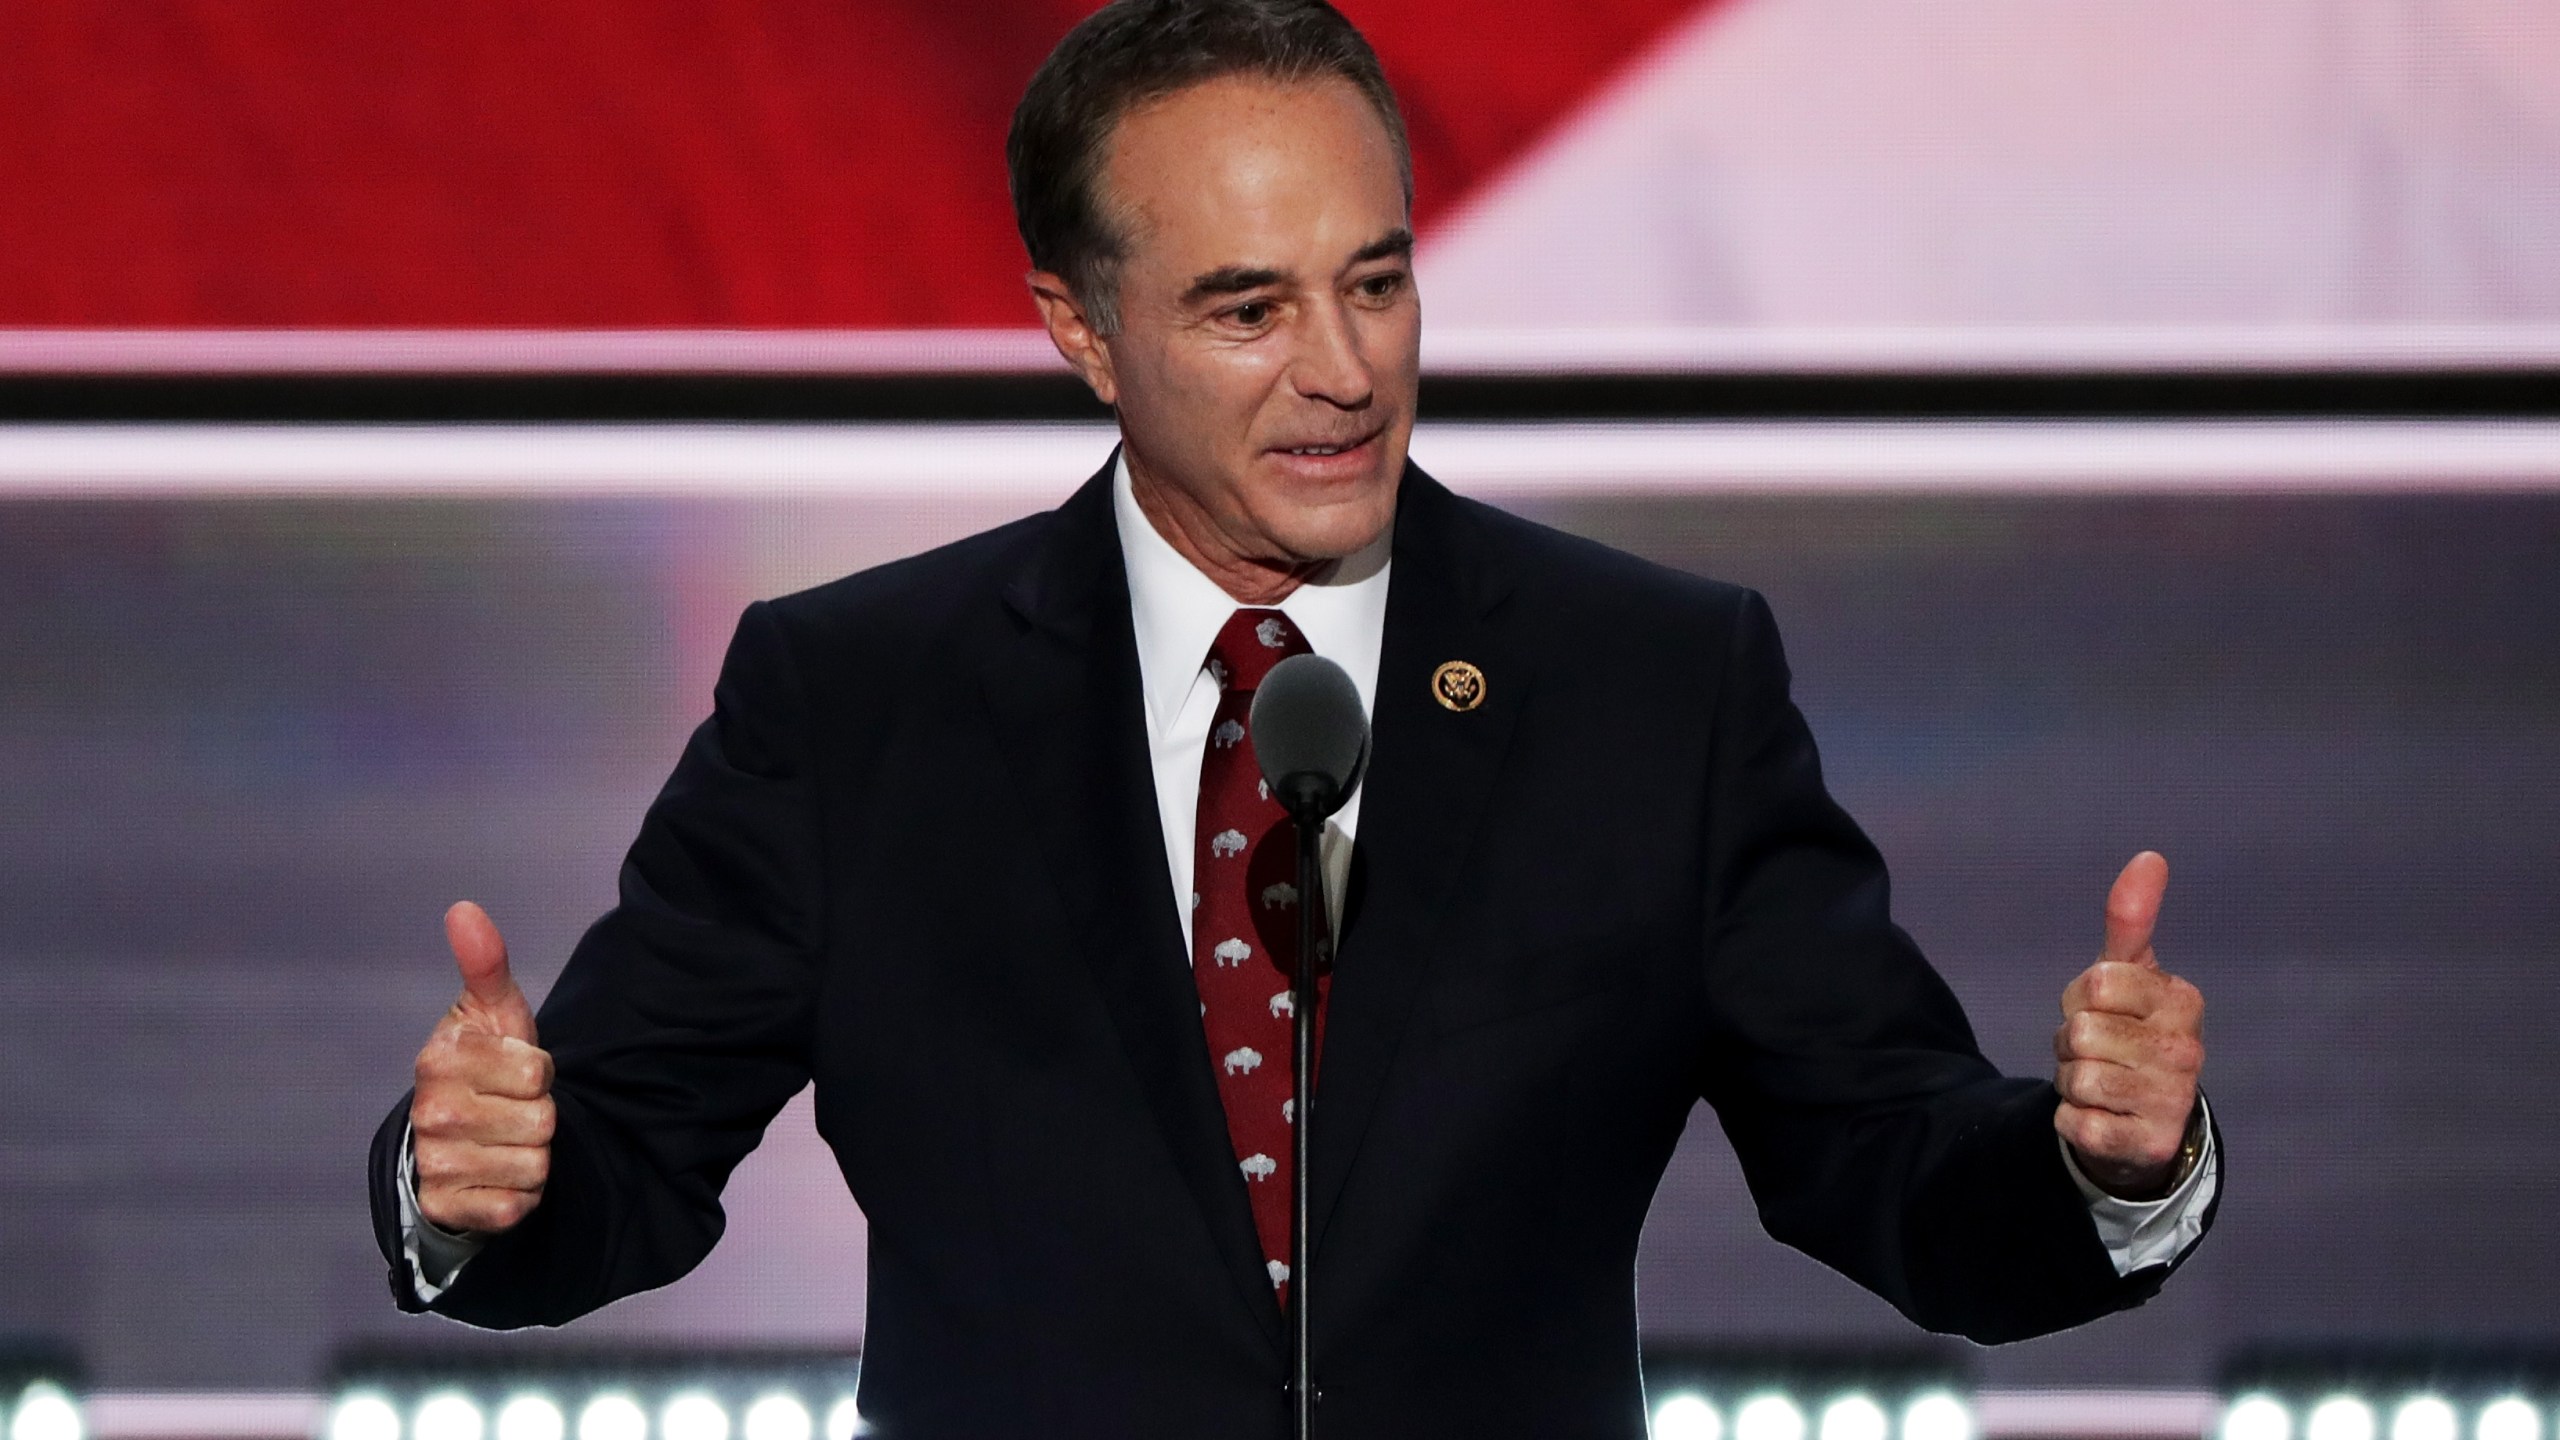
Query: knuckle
x=546 y=1121
x=434 y=1165
x=434 y=1116
x=2089 y=1132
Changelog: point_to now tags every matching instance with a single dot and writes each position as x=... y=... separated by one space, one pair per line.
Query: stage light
x=2425 y=1417
x=2257 y=1417
x=446 y=1415
x=364 y=1415
x=2509 y=1417
x=844 y=1420
x=1937 y=1416
x=1768 y=1417
x=44 y=1412
x=2339 y=1417
x=693 y=1415
x=777 y=1417
x=613 y=1416
x=531 y=1417
x=1687 y=1417
x=1853 y=1417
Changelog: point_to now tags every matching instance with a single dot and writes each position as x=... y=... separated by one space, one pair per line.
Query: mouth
x=1331 y=453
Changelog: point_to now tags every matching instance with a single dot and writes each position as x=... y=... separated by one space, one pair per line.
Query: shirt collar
x=1176 y=610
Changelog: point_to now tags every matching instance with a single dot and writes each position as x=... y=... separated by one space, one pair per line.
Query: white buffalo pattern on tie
x=1244 y=929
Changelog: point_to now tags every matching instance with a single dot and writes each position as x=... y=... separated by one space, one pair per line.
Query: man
x=957 y=824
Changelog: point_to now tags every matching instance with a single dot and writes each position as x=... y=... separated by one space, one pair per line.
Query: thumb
x=2133 y=907
x=489 y=993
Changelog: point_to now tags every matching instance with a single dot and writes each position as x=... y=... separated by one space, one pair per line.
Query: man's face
x=1269 y=351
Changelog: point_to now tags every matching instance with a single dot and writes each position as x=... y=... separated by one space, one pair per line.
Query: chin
x=1332 y=531
x=1319 y=516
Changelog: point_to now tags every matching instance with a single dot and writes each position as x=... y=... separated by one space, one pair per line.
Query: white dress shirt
x=1177 y=611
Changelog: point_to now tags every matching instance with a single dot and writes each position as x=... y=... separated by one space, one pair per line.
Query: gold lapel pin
x=1458 y=685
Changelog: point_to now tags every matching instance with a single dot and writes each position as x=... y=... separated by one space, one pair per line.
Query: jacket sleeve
x=680 y=1025
x=1874 y=1135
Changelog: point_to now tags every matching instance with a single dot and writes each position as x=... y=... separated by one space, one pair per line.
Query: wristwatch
x=2191 y=1149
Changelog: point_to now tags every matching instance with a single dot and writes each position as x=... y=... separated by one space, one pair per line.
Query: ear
x=1074 y=336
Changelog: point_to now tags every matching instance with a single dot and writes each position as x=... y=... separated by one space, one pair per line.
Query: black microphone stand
x=1312 y=798
x=1312 y=740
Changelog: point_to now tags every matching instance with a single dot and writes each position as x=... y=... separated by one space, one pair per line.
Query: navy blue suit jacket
x=913 y=856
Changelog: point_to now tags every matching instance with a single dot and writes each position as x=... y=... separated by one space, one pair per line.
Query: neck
x=1248 y=579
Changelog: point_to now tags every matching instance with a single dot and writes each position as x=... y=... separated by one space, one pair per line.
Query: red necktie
x=1244 y=928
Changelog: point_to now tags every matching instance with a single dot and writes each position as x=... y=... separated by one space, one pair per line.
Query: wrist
x=2153 y=1183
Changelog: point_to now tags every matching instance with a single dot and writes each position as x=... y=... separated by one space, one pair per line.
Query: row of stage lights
x=1806 y=1393
x=1720 y=1393
x=2424 y=1416
x=1772 y=1415
x=2367 y=1391
x=577 y=1395
x=612 y=1414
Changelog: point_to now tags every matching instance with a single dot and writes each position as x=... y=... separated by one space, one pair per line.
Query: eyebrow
x=1398 y=241
x=1235 y=279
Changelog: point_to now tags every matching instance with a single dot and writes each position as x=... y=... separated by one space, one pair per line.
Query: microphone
x=1312 y=740
x=1310 y=735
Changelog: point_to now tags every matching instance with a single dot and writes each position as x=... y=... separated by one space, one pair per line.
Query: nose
x=1330 y=365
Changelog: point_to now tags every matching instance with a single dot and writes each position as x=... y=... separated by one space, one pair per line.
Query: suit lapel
x=1067 y=709
x=1431 y=777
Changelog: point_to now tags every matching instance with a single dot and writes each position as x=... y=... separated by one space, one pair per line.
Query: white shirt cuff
x=2141 y=1233
x=435 y=1255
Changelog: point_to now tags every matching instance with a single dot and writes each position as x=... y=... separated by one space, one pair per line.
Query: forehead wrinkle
x=1144 y=216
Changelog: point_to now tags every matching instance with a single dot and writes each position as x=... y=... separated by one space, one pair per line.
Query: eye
x=1382 y=286
x=1251 y=314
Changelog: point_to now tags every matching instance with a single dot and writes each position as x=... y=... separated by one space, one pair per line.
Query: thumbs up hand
x=481 y=1117
x=2129 y=1048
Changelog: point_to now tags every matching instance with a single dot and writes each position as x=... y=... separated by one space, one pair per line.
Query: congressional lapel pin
x=1458 y=685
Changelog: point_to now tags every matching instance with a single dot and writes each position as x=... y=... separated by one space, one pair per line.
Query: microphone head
x=1310 y=735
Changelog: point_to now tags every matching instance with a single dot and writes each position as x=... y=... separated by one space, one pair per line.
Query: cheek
x=1211 y=393
x=1393 y=342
